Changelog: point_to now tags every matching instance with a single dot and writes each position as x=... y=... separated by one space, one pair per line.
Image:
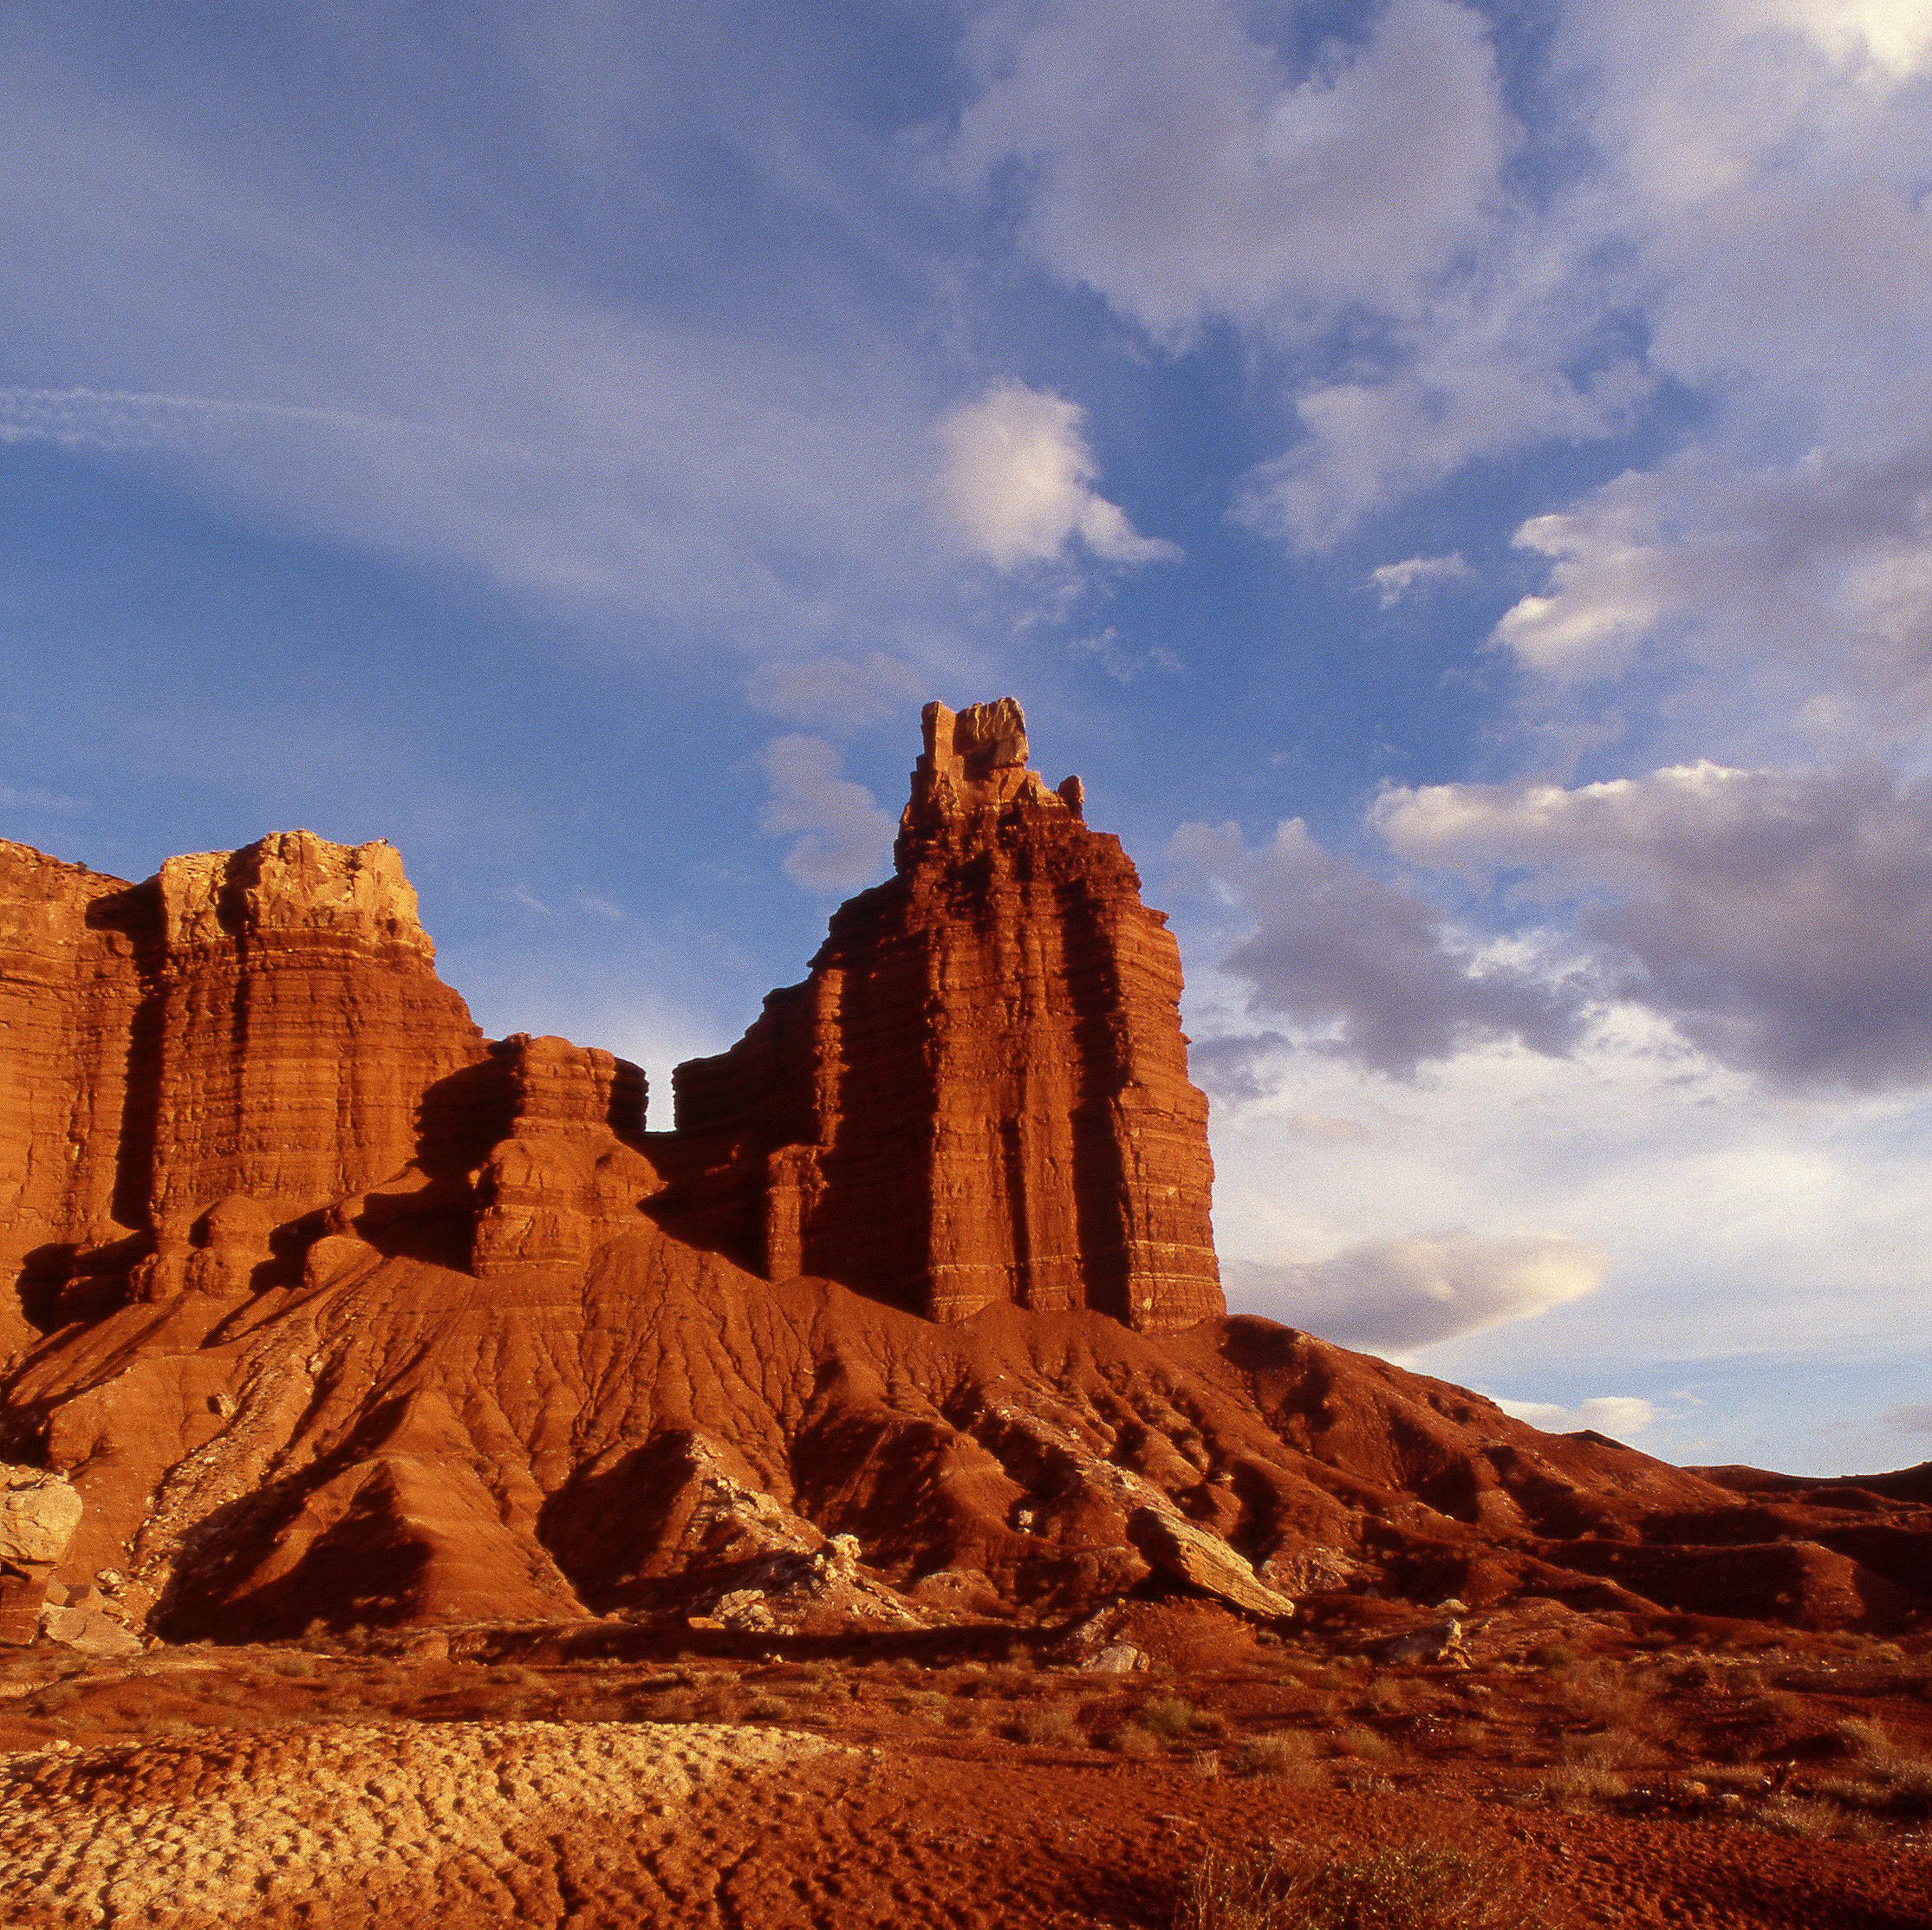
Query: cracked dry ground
x=191 y=1788
x=360 y=1825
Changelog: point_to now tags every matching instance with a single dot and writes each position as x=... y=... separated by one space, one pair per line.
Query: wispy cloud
x=1402 y=1294
x=32 y=798
x=1416 y=576
x=840 y=836
x=1622 y=1416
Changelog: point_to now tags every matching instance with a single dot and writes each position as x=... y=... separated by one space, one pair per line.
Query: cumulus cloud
x=1399 y=1295
x=841 y=838
x=1359 y=966
x=1619 y=1415
x=1820 y=573
x=1353 y=215
x=1415 y=577
x=1181 y=168
x=1017 y=480
x=1781 y=919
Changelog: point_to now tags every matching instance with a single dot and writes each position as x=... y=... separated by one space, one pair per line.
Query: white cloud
x=1622 y=1416
x=1416 y=576
x=1817 y=576
x=1356 y=965
x=1780 y=919
x=1737 y=1220
x=1183 y=169
x=1405 y=1293
x=841 y=838
x=834 y=690
x=1016 y=480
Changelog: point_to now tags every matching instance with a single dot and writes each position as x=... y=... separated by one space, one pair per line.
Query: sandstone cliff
x=188 y=1065
x=980 y=1095
x=329 y=1308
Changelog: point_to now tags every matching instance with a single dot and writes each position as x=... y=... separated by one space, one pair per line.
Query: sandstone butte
x=332 y=1310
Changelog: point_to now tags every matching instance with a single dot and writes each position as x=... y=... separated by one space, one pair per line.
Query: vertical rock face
x=295 y=1023
x=69 y=989
x=981 y=1092
x=187 y=1064
x=564 y=1178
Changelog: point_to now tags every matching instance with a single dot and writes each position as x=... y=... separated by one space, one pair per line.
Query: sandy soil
x=1605 y=1776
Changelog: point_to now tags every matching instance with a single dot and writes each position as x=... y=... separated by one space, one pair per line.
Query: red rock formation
x=980 y=1095
x=69 y=989
x=518 y=1377
x=561 y=1181
x=188 y=1064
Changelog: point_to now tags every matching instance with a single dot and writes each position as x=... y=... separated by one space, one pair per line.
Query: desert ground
x=1175 y=1765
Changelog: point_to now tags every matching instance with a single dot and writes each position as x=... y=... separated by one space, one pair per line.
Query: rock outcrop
x=980 y=1095
x=188 y=1065
x=329 y=1310
x=39 y=1513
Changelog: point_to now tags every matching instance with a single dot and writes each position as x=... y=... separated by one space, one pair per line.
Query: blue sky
x=1456 y=482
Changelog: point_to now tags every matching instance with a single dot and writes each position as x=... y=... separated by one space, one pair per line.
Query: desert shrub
x=1413 y=1886
x=1385 y=1697
x=1285 y=1752
x=669 y=1706
x=1132 y=1742
x=1206 y=1764
x=1855 y=1741
x=1047 y=1725
x=1367 y=1744
x=1170 y=1717
x=1903 y=1791
x=1578 y=1785
x=1799 y=1815
x=1909 y=1790
x=1605 y=1748
x=1551 y=1654
x=721 y=1704
x=1690 y=1673
x=768 y=1708
x=1607 y=1698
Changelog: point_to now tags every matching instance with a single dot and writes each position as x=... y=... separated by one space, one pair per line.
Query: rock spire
x=981 y=1094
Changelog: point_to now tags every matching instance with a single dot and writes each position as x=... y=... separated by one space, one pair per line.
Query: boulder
x=1205 y=1562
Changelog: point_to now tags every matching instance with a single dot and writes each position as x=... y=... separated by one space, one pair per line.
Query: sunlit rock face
x=189 y=1064
x=320 y=1307
x=980 y=1095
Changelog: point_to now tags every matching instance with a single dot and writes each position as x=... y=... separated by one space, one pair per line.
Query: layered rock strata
x=330 y=1311
x=980 y=1095
x=190 y=1065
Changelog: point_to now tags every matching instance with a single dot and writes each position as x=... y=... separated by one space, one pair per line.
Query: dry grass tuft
x=1170 y=1718
x=1413 y=1886
x=1047 y=1726
x=1286 y=1754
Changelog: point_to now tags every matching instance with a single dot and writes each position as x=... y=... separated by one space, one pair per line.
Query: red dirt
x=330 y=1790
